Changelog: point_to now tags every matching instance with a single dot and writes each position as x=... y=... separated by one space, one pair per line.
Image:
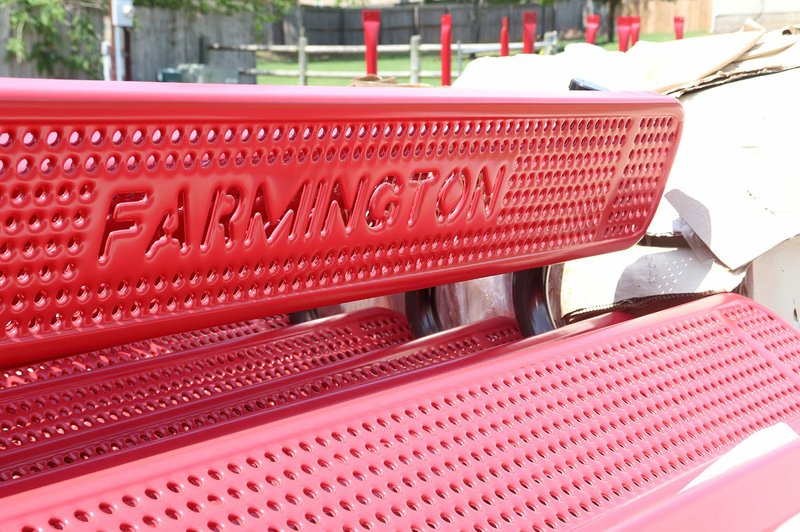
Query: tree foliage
x=54 y=35
x=63 y=36
x=263 y=11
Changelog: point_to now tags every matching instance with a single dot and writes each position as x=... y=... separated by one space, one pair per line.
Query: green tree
x=59 y=36
x=54 y=35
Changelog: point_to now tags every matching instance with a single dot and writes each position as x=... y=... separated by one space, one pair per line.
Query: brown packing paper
x=675 y=63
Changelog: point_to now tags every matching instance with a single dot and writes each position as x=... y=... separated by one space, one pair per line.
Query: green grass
x=394 y=62
x=653 y=37
x=386 y=63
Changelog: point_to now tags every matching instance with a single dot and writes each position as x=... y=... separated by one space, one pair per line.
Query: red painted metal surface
x=46 y=425
x=528 y=31
x=245 y=406
x=446 y=55
x=504 y=38
x=371 y=20
x=758 y=495
x=138 y=210
x=679 y=23
x=624 y=32
x=152 y=347
x=636 y=25
x=592 y=25
x=556 y=435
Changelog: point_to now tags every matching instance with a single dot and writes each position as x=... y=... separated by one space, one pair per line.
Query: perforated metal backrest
x=137 y=210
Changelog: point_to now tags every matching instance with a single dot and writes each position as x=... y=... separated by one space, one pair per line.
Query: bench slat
x=315 y=371
x=137 y=210
x=554 y=435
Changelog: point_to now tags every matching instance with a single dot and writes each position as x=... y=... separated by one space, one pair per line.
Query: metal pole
x=119 y=54
x=302 y=59
x=416 y=63
x=121 y=21
x=460 y=56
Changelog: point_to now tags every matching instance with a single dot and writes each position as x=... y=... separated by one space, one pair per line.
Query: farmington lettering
x=232 y=214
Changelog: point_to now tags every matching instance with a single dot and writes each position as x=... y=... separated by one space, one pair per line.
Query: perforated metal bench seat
x=74 y=418
x=562 y=433
x=121 y=414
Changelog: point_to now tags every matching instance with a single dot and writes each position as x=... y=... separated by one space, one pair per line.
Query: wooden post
x=416 y=63
x=302 y=59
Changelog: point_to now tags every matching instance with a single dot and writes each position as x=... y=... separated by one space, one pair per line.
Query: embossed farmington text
x=312 y=209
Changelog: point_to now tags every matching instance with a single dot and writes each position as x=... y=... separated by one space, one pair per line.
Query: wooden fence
x=163 y=38
x=414 y=48
x=342 y=26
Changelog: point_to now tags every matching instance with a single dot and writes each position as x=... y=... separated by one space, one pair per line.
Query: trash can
x=170 y=75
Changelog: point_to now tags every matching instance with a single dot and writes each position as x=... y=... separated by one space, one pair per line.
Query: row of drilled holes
x=774 y=336
x=38 y=222
x=156 y=305
x=135 y=351
x=583 y=177
x=564 y=195
x=21 y=195
x=584 y=161
x=644 y=169
x=194 y=135
x=656 y=122
x=29 y=250
x=26 y=165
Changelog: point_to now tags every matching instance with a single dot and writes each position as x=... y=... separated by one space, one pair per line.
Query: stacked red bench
x=136 y=211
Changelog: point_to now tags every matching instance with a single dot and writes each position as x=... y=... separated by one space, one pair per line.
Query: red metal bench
x=141 y=210
x=138 y=211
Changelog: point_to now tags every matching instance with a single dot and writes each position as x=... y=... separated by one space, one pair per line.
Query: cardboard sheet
x=648 y=66
x=774 y=280
x=736 y=177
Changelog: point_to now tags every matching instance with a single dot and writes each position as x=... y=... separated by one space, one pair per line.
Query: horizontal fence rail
x=414 y=48
x=551 y=40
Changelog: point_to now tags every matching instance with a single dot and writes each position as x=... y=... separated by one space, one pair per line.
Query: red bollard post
x=679 y=21
x=592 y=25
x=623 y=32
x=447 y=33
x=636 y=25
x=504 y=38
x=372 y=25
x=528 y=31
